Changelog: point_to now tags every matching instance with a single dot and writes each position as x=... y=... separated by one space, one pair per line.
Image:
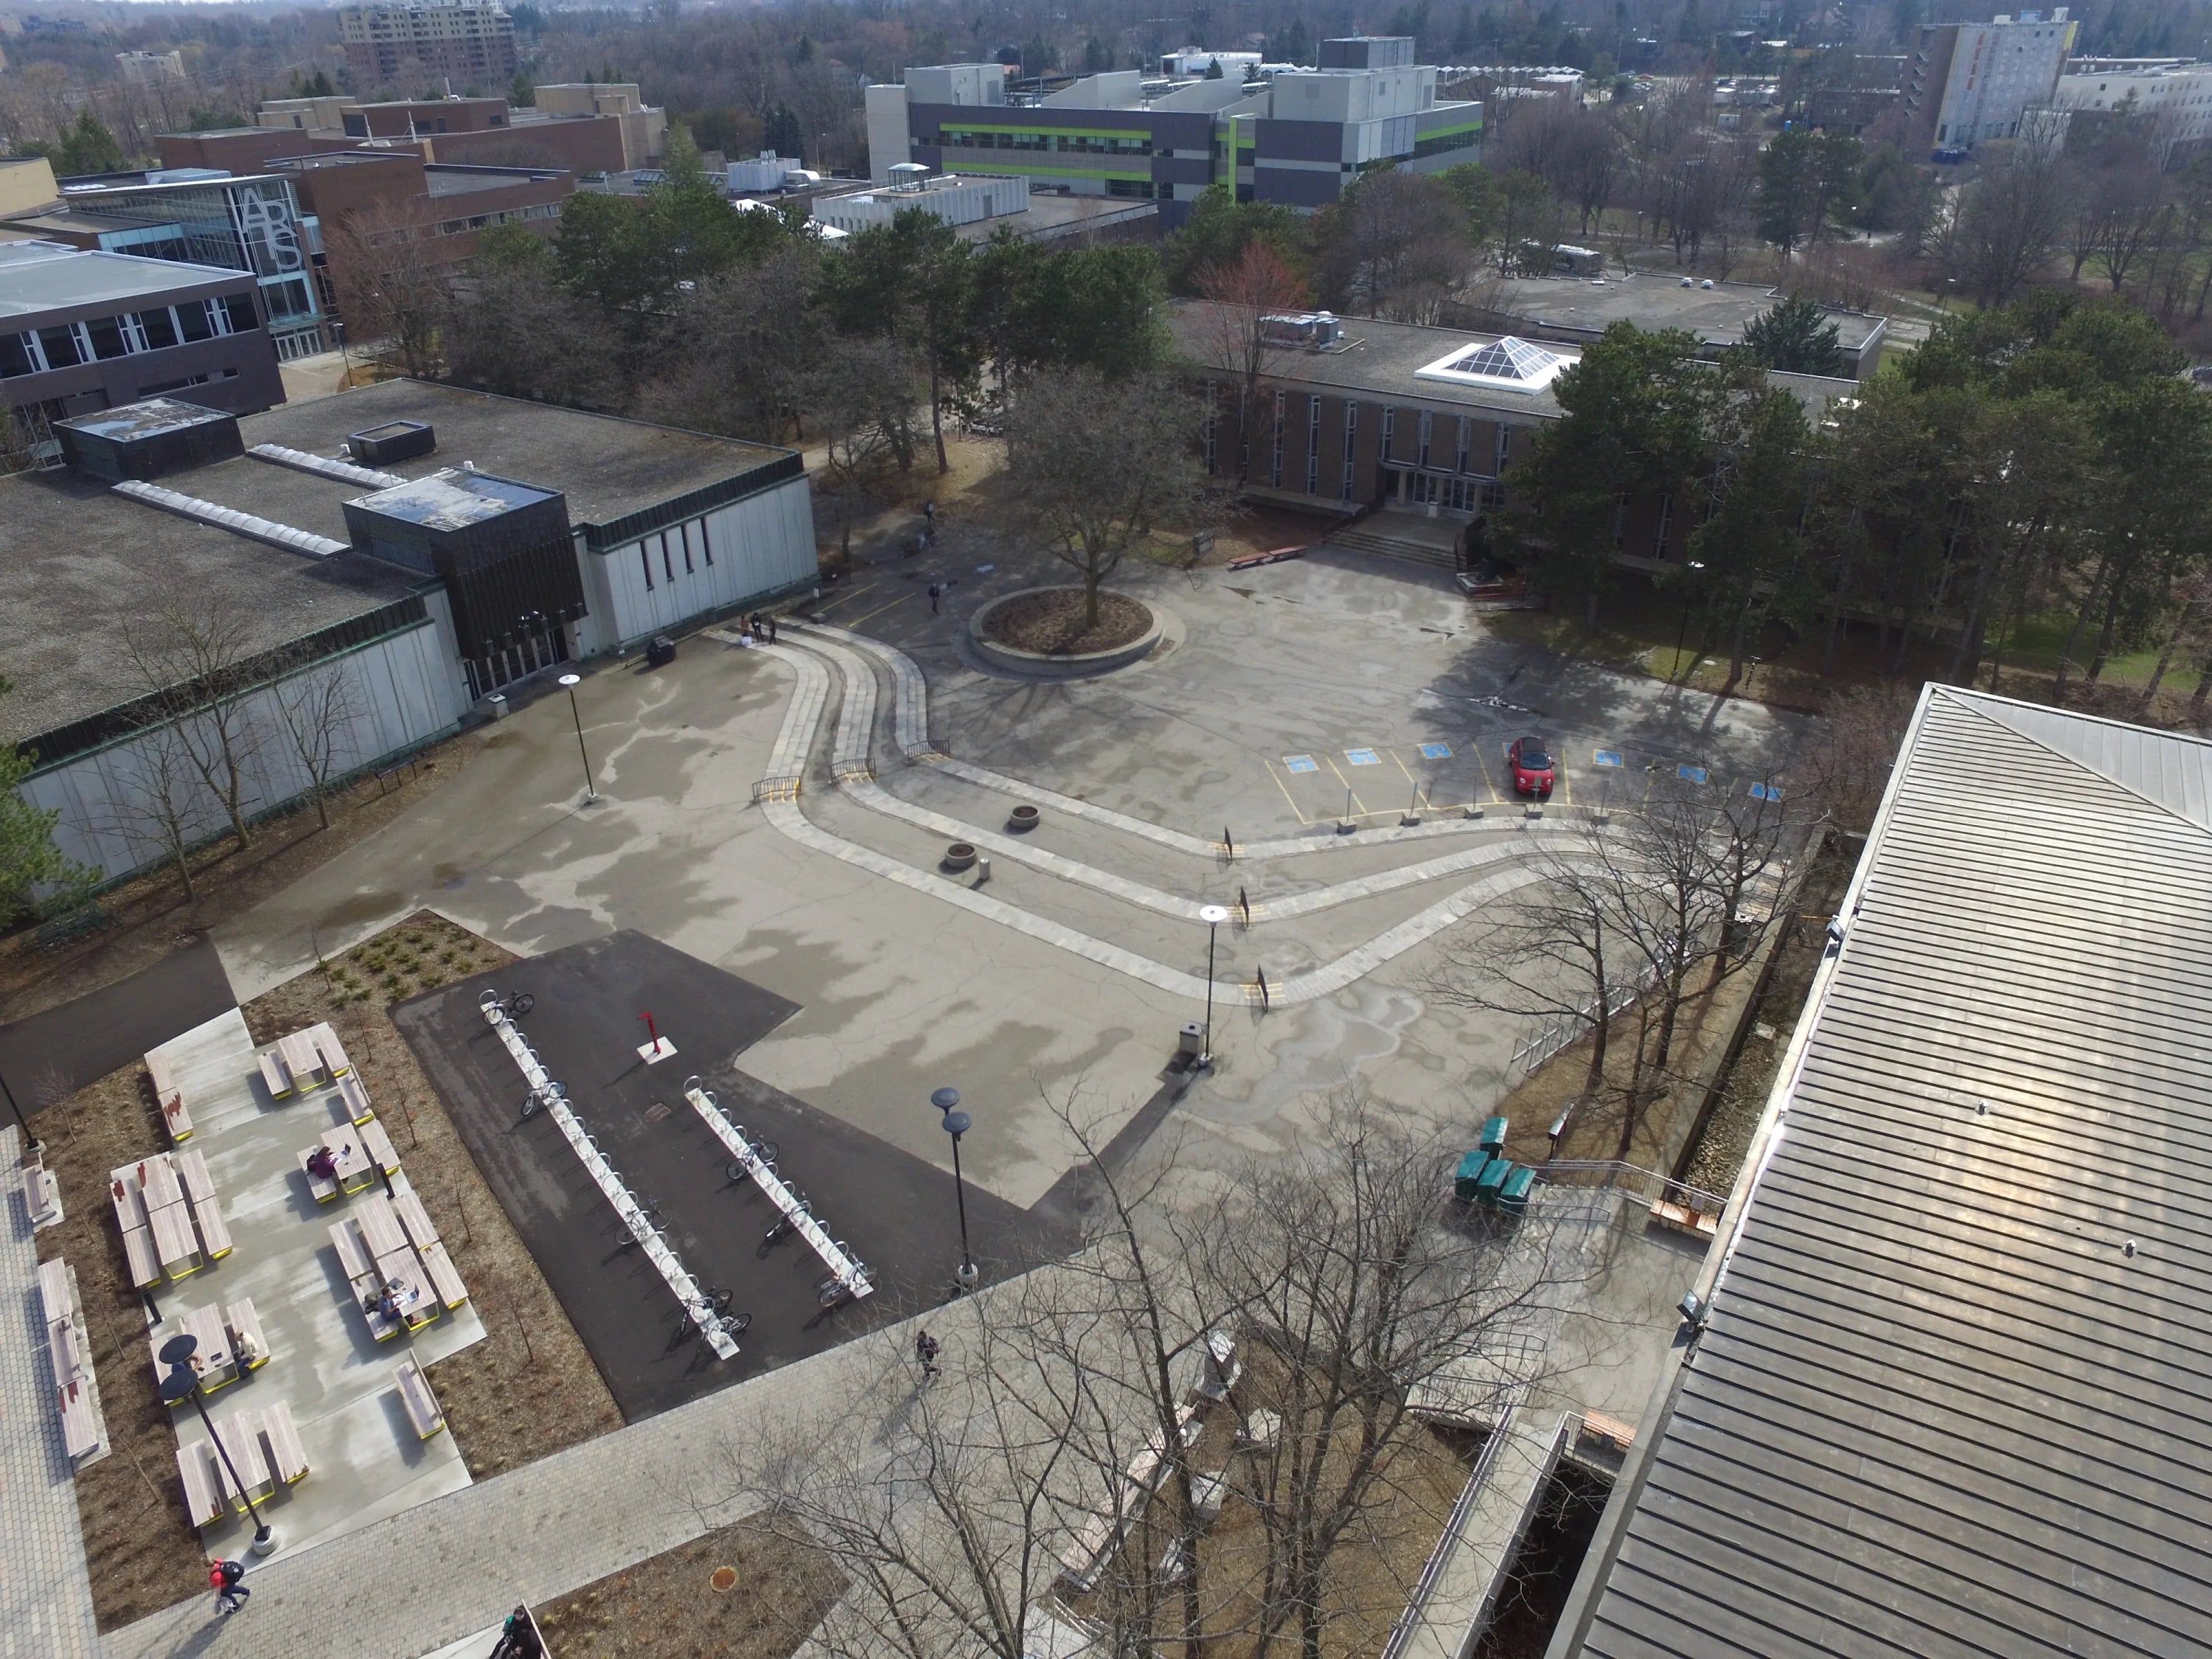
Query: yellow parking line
x=1287 y=796
x=1487 y=781
x=855 y=593
x=1359 y=808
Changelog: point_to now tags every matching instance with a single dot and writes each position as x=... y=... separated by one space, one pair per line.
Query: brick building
x=471 y=45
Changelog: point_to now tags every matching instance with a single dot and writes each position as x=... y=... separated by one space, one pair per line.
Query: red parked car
x=1531 y=763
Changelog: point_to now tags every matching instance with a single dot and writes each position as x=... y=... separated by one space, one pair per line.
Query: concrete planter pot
x=960 y=856
x=1022 y=819
x=1038 y=664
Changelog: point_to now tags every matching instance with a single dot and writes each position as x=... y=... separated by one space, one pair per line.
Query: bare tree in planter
x=1093 y=465
x=192 y=658
x=316 y=709
x=158 y=810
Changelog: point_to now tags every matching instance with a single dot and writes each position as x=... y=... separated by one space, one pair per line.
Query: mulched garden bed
x=1051 y=623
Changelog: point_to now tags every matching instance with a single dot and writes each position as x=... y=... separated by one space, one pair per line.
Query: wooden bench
x=360 y=1269
x=421 y=1405
x=420 y=1232
x=129 y=1203
x=139 y=1251
x=286 y=1455
x=1608 y=1430
x=84 y=1430
x=241 y=1434
x=301 y=1060
x=356 y=1098
x=332 y=1051
x=273 y=1074
x=379 y=1145
x=325 y=1187
x=42 y=1196
x=191 y=1165
x=175 y=1244
x=203 y=1491
x=215 y=1234
x=179 y=1120
x=445 y=1278
x=170 y=1097
x=71 y=1353
x=57 y=1290
x=243 y=1321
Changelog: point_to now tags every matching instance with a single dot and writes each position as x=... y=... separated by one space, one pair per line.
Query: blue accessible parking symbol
x=1605 y=757
x=1690 y=773
x=1363 y=757
x=1435 y=752
x=1764 y=792
x=1300 y=763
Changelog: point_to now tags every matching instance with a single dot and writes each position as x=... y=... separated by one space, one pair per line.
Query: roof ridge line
x=1965 y=698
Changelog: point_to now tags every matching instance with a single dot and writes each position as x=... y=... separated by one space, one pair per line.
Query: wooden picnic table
x=301 y=1059
x=355 y=1098
x=332 y=1051
x=192 y=1171
x=157 y=1179
x=240 y=1436
x=350 y=1157
x=418 y=1300
x=380 y=1225
x=213 y=1359
x=175 y=1244
x=139 y=1251
x=421 y=1232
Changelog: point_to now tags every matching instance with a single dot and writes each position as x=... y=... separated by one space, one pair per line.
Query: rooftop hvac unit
x=1316 y=329
x=149 y=439
x=395 y=440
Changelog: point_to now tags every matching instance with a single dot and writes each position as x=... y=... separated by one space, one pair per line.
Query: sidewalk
x=45 y=1597
x=446 y=1569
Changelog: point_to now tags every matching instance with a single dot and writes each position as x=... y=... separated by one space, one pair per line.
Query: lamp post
x=1682 y=633
x=182 y=1384
x=570 y=683
x=956 y=1125
x=344 y=358
x=1212 y=915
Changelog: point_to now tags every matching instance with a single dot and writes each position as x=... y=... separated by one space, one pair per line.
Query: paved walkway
x=46 y=1595
x=420 y=1581
x=780 y=803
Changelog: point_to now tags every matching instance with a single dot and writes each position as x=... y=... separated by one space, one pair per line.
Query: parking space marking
x=1605 y=758
x=1435 y=752
x=855 y=621
x=1300 y=763
x=1287 y=797
x=1363 y=757
x=1357 y=806
x=1764 y=792
x=1488 y=784
x=847 y=597
x=1690 y=773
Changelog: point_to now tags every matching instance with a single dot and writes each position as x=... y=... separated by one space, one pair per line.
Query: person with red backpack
x=223 y=1579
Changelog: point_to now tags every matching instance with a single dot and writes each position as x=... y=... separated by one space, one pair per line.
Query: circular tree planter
x=1016 y=633
x=724 y=1580
x=1021 y=818
x=960 y=856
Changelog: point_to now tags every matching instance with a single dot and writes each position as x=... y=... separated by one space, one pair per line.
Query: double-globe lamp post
x=569 y=684
x=947 y=1102
x=182 y=1384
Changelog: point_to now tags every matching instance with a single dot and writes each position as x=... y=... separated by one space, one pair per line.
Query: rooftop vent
x=395 y=440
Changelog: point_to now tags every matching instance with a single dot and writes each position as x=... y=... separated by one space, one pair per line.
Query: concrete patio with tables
x=365 y=1459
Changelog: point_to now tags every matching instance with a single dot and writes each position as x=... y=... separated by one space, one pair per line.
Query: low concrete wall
x=1035 y=664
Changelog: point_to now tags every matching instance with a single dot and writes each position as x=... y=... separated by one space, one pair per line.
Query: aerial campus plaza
x=662 y=986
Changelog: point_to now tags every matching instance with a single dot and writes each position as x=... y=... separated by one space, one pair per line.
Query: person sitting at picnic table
x=322 y=1165
x=387 y=1301
x=250 y=1350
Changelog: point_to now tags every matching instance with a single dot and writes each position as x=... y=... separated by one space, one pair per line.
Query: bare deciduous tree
x=316 y=710
x=158 y=807
x=192 y=658
x=862 y=395
x=394 y=292
x=1258 y=284
x=1093 y=465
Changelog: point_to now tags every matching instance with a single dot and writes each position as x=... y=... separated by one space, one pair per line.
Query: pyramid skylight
x=1506 y=365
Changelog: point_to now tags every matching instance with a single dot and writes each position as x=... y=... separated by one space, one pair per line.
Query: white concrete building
x=2176 y=91
x=956 y=198
x=143 y=68
x=421 y=545
x=1968 y=83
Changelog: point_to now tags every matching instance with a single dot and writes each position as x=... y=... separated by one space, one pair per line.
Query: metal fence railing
x=1417 y=1605
x=1647 y=1185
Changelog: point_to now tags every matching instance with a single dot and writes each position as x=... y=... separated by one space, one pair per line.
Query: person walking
x=926 y=1349
x=934 y=592
x=518 y=1638
x=223 y=1578
x=771 y=627
x=929 y=512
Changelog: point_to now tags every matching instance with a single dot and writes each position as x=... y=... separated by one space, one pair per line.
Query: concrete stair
x=1374 y=535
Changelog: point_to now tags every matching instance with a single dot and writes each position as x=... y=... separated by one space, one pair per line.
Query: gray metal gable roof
x=1937 y=1409
x=2164 y=767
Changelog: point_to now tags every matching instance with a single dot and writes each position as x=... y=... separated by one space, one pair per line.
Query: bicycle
x=716 y=1301
x=738 y=1169
x=538 y=1099
x=513 y=1007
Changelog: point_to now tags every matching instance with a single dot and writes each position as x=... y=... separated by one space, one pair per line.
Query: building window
x=1387 y=434
x=683 y=535
x=1351 y=436
x=1313 y=446
x=15 y=356
x=645 y=563
x=1276 y=475
x=706 y=547
x=1422 y=435
x=667 y=564
x=1666 y=523
x=192 y=320
x=1212 y=420
x=1494 y=496
x=1505 y=447
x=106 y=334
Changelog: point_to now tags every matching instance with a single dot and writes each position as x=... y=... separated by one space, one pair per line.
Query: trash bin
x=1466 y=1182
x=497 y=703
x=659 y=651
x=1193 y=1040
x=1492 y=1139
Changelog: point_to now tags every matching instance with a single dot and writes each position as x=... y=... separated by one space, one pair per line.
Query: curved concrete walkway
x=794 y=744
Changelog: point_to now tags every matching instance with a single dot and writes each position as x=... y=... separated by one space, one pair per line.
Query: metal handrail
x=1417 y=1605
x=1654 y=1187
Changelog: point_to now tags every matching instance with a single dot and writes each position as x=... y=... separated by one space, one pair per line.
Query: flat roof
x=1650 y=299
x=445 y=178
x=1951 y=1392
x=86 y=564
x=43 y=277
x=451 y=499
x=94 y=224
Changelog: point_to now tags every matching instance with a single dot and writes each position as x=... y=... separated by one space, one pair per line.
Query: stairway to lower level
x=1417 y=541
